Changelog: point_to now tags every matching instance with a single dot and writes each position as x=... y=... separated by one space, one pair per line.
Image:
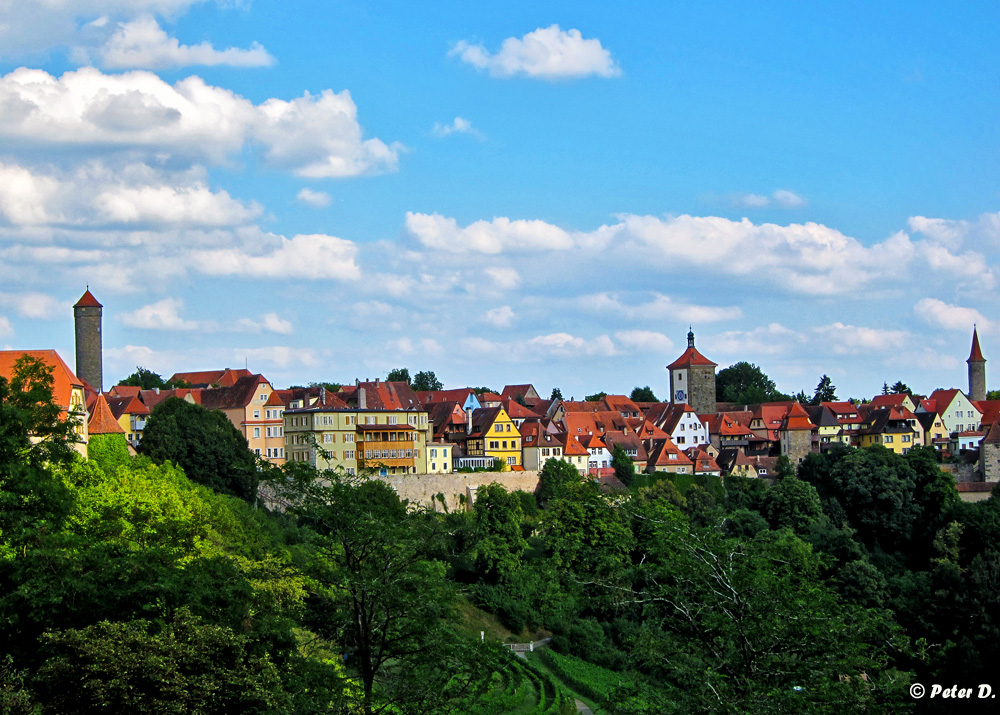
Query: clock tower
x=692 y=379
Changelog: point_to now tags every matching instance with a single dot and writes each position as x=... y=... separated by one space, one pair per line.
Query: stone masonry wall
x=701 y=389
x=422 y=488
x=89 y=357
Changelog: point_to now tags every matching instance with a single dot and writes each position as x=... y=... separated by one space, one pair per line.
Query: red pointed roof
x=976 y=355
x=101 y=419
x=87 y=300
x=689 y=358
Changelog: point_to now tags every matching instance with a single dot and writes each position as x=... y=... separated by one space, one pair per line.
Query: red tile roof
x=689 y=358
x=101 y=419
x=63 y=379
x=223 y=378
x=976 y=355
x=125 y=404
x=87 y=300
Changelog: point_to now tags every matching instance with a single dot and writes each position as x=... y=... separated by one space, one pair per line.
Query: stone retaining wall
x=459 y=489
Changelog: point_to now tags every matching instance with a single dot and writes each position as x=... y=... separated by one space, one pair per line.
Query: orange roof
x=63 y=379
x=101 y=419
x=689 y=358
x=87 y=300
x=976 y=355
x=223 y=378
x=890 y=400
x=125 y=405
x=125 y=390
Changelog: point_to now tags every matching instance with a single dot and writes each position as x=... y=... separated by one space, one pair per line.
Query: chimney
x=468 y=420
x=362 y=398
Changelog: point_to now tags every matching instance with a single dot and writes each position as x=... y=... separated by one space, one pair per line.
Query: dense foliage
x=127 y=587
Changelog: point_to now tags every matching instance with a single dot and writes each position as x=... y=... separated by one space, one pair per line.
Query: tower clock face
x=680 y=395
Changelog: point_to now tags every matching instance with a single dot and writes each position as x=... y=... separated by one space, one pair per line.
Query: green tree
x=745 y=383
x=399 y=374
x=146 y=379
x=425 y=381
x=35 y=440
x=205 y=444
x=794 y=504
x=623 y=465
x=380 y=593
x=497 y=543
x=555 y=479
x=901 y=388
x=993 y=395
x=825 y=391
x=109 y=451
x=643 y=394
x=556 y=394
x=596 y=397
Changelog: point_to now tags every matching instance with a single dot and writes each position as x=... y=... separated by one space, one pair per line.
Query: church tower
x=89 y=355
x=977 y=370
x=692 y=379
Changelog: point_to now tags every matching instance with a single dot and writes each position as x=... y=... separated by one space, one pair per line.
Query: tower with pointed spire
x=977 y=369
x=692 y=379
x=89 y=356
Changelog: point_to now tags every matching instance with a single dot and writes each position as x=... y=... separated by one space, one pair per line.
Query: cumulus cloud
x=954 y=233
x=945 y=316
x=496 y=236
x=645 y=341
x=314 y=256
x=546 y=53
x=6 y=329
x=313 y=135
x=770 y=339
x=660 y=307
x=95 y=194
x=502 y=317
x=162 y=315
x=316 y=199
x=32 y=304
x=142 y=43
x=458 y=126
x=541 y=347
x=843 y=339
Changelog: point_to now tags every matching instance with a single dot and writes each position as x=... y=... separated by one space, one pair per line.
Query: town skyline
x=529 y=194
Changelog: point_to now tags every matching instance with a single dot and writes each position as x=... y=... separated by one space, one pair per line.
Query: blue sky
x=522 y=192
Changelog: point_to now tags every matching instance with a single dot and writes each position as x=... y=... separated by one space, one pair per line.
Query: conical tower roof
x=87 y=300
x=977 y=354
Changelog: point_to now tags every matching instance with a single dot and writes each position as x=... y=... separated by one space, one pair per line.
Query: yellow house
x=131 y=414
x=494 y=435
x=889 y=428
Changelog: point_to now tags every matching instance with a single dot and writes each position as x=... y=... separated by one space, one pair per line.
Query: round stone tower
x=977 y=369
x=89 y=356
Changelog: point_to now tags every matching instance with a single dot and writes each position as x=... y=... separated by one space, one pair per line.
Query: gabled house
x=726 y=431
x=958 y=412
x=574 y=452
x=828 y=430
x=889 y=427
x=525 y=394
x=131 y=414
x=538 y=445
x=493 y=435
x=210 y=378
x=466 y=397
x=633 y=446
x=796 y=433
x=665 y=456
x=68 y=391
x=895 y=400
x=934 y=431
x=246 y=404
x=703 y=462
x=681 y=422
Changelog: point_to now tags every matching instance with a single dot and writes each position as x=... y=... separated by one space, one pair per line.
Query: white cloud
x=953 y=233
x=315 y=256
x=316 y=199
x=660 y=307
x=268 y=322
x=545 y=53
x=313 y=135
x=278 y=355
x=6 y=329
x=943 y=315
x=502 y=317
x=504 y=278
x=162 y=315
x=458 y=126
x=142 y=43
x=496 y=236
x=39 y=306
x=841 y=339
x=541 y=347
x=781 y=197
x=645 y=341
x=771 y=339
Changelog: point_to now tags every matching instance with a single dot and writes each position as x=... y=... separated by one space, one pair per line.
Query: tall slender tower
x=977 y=370
x=89 y=355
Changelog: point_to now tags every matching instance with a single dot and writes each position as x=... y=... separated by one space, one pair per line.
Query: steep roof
x=691 y=358
x=230 y=398
x=976 y=355
x=223 y=378
x=797 y=419
x=87 y=300
x=63 y=379
x=661 y=451
x=382 y=395
x=101 y=419
x=525 y=392
x=125 y=404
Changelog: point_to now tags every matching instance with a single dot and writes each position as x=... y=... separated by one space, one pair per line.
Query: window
x=888 y=439
x=906 y=438
x=256 y=414
x=256 y=433
x=409 y=453
x=434 y=466
x=512 y=460
x=392 y=454
x=494 y=444
x=682 y=470
x=349 y=454
x=505 y=444
x=508 y=426
x=393 y=419
x=498 y=428
x=268 y=432
x=545 y=451
x=263 y=398
x=267 y=414
x=257 y=452
x=434 y=453
x=328 y=439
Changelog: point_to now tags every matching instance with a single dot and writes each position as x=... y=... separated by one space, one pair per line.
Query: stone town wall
x=458 y=488
x=701 y=389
